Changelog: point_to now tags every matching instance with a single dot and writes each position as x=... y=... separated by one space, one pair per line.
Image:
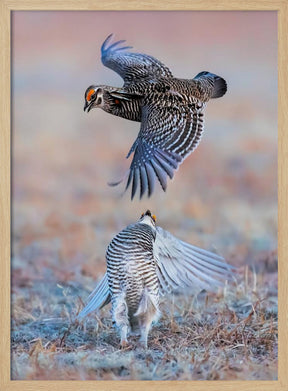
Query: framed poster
x=223 y=198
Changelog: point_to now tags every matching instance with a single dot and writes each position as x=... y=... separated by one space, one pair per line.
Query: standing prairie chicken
x=143 y=262
x=170 y=111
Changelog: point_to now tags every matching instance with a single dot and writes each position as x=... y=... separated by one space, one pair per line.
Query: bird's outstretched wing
x=183 y=266
x=97 y=299
x=132 y=67
x=167 y=136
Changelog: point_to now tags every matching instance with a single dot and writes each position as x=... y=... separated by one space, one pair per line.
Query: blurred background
x=224 y=196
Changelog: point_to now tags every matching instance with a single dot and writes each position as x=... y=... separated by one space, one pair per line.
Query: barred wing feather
x=132 y=67
x=181 y=265
x=97 y=299
x=165 y=139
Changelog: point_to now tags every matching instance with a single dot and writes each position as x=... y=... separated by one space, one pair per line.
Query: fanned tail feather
x=219 y=84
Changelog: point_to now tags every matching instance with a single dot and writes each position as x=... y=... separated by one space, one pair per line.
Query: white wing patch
x=97 y=299
x=181 y=265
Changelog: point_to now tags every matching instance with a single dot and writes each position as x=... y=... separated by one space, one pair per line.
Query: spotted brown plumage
x=170 y=111
x=145 y=262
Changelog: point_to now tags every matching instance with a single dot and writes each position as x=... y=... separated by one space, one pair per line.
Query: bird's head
x=148 y=218
x=105 y=97
x=94 y=97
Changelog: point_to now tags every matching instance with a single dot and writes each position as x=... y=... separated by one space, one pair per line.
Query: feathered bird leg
x=146 y=313
x=120 y=314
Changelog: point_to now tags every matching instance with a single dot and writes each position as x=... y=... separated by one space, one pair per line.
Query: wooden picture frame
x=281 y=6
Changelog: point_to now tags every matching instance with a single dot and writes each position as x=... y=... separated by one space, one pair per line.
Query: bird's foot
x=124 y=345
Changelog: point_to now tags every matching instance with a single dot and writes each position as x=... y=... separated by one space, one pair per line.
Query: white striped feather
x=99 y=297
x=183 y=266
x=170 y=265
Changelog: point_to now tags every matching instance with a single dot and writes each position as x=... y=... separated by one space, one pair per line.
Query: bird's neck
x=122 y=105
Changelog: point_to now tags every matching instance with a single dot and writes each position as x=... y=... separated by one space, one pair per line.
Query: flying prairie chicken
x=143 y=262
x=170 y=111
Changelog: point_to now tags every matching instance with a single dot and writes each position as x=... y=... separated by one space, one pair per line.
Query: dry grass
x=229 y=335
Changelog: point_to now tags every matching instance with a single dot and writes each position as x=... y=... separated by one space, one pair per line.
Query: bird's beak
x=89 y=105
